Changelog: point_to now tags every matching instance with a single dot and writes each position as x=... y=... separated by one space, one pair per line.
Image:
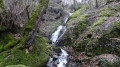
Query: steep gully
x=62 y=59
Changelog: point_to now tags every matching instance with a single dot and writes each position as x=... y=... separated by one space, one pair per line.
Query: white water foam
x=55 y=35
x=63 y=59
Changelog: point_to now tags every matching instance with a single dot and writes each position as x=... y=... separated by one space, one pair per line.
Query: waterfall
x=62 y=59
x=60 y=30
x=55 y=35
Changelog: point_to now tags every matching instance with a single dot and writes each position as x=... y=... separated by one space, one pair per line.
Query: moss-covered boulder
x=107 y=60
x=97 y=33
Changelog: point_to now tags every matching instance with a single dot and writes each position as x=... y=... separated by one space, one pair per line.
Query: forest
x=59 y=33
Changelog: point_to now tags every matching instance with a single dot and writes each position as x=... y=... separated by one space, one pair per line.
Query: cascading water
x=62 y=59
x=60 y=30
x=55 y=35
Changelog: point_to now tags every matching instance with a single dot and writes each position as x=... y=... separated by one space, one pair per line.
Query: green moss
x=81 y=25
x=6 y=41
x=98 y=22
x=98 y=46
x=17 y=57
x=82 y=20
x=38 y=57
x=106 y=63
x=106 y=12
x=113 y=31
x=16 y=65
x=2 y=4
x=78 y=12
x=3 y=55
x=89 y=54
x=118 y=25
x=31 y=22
x=40 y=53
x=2 y=28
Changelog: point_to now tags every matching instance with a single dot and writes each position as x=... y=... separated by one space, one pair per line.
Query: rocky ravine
x=92 y=37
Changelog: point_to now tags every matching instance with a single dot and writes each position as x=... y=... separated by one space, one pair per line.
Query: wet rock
x=57 y=50
x=55 y=57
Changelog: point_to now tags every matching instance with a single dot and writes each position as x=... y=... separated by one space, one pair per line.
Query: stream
x=61 y=60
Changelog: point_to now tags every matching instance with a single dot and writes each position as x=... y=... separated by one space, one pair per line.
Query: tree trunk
x=33 y=33
x=96 y=3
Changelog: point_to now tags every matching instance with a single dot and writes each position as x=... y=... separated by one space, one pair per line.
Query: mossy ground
x=38 y=57
x=13 y=52
x=6 y=41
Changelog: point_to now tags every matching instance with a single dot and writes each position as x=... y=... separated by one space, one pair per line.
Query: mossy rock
x=78 y=12
x=78 y=29
x=37 y=58
x=106 y=60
